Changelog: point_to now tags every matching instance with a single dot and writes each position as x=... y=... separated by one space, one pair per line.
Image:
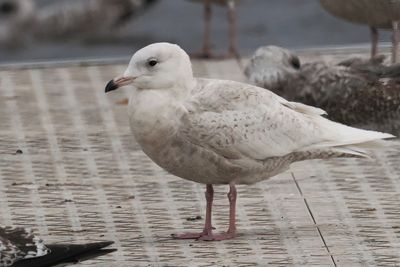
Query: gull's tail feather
x=348 y=140
x=352 y=151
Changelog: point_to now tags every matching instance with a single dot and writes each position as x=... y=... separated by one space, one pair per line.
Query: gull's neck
x=155 y=114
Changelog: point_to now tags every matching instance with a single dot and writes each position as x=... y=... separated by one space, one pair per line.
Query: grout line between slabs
x=313 y=219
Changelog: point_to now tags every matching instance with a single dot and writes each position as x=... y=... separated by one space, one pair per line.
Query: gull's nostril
x=7 y=7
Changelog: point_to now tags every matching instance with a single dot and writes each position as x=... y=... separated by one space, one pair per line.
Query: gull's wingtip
x=389 y=136
x=67 y=253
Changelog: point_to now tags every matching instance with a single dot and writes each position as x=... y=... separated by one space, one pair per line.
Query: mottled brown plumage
x=356 y=92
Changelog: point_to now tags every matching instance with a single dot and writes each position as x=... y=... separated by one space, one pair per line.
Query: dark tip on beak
x=111 y=86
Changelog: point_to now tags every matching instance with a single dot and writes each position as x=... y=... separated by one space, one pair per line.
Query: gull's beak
x=118 y=82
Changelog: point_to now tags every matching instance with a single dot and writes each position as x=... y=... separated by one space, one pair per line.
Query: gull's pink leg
x=207 y=234
x=207 y=29
x=374 y=41
x=209 y=197
x=207 y=231
x=232 y=52
x=232 y=210
x=231 y=233
x=206 y=50
x=395 y=37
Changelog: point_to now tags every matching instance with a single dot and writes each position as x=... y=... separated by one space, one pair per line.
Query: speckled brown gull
x=224 y=132
x=357 y=92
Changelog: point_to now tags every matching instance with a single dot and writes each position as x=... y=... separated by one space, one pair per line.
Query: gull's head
x=17 y=17
x=156 y=66
x=16 y=10
x=270 y=65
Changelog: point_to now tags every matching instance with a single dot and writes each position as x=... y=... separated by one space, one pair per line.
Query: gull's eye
x=295 y=62
x=7 y=7
x=152 y=62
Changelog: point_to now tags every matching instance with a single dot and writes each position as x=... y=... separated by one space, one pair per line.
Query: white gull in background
x=377 y=14
x=19 y=247
x=21 y=20
x=87 y=19
x=224 y=132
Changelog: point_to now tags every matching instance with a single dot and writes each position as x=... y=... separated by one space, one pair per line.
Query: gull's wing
x=239 y=120
x=19 y=243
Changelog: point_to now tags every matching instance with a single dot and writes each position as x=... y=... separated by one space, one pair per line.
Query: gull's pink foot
x=231 y=54
x=187 y=236
x=205 y=232
x=217 y=237
x=203 y=55
x=205 y=236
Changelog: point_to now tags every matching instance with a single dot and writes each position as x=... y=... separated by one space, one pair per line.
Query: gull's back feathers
x=241 y=120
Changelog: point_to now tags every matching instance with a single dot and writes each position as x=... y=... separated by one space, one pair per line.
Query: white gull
x=224 y=132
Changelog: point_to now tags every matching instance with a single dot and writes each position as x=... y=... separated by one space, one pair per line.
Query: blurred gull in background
x=82 y=20
x=17 y=19
x=378 y=14
x=359 y=92
x=207 y=46
x=87 y=19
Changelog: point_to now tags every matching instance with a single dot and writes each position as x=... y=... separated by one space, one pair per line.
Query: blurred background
x=60 y=29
